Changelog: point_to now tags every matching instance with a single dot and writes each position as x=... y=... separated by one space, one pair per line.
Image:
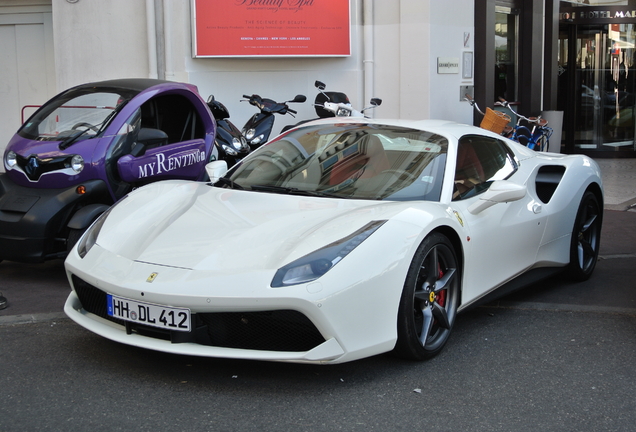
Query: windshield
x=85 y=110
x=361 y=161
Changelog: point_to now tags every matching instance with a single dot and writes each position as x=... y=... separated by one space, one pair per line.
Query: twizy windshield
x=85 y=110
x=361 y=161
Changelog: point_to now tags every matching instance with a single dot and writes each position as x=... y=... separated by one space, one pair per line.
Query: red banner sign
x=271 y=28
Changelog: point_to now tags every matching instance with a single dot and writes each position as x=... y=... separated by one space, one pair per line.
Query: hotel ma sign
x=586 y=15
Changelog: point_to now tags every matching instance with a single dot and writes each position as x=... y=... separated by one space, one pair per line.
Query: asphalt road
x=555 y=356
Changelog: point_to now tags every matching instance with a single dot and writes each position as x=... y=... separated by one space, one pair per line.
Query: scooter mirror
x=299 y=98
x=376 y=101
x=320 y=85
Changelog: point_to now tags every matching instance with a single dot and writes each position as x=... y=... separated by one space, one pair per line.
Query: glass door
x=604 y=85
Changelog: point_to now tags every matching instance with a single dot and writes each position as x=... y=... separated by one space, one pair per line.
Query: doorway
x=597 y=71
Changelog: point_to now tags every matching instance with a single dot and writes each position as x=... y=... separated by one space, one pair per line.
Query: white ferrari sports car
x=338 y=240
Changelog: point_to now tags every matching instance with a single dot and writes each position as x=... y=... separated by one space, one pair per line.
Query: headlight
x=229 y=150
x=77 y=163
x=258 y=139
x=249 y=134
x=312 y=266
x=11 y=159
x=89 y=238
x=343 y=112
x=237 y=144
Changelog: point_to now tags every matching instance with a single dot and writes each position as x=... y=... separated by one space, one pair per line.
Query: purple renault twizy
x=89 y=146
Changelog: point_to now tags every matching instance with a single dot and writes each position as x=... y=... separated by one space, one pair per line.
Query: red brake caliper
x=441 y=295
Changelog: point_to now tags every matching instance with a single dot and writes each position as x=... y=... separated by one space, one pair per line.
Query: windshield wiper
x=228 y=182
x=72 y=138
x=293 y=191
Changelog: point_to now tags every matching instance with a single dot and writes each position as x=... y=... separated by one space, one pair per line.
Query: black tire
x=429 y=300
x=586 y=238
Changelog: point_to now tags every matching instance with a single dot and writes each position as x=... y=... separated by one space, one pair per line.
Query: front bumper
x=239 y=315
x=33 y=221
x=327 y=351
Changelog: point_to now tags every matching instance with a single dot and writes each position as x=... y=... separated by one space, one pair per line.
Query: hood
x=197 y=226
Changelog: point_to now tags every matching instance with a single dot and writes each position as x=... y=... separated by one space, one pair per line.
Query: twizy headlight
x=77 y=163
x=11 y=159
x=316 y=264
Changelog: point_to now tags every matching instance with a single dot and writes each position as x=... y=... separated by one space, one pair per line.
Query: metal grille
x=93 y=300
x=279 y=330
x=282 y=330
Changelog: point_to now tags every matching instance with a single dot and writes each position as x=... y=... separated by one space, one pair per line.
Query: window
x=506 y=47
x=480 y=161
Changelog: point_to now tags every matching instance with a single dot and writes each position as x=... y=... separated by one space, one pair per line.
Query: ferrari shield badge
x=152 y=277
x=459 y=218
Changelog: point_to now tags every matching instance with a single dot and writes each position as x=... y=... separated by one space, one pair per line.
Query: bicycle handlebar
x=537 y=120
x=473 y=103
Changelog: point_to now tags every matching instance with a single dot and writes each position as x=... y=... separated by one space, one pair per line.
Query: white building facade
x=396 y=46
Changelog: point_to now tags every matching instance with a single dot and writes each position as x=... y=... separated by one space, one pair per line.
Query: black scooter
x=230 y=142
x=258 y=128
x=334 y=104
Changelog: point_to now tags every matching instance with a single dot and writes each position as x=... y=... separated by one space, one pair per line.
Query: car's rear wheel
x=429 y=300
x=586 y=238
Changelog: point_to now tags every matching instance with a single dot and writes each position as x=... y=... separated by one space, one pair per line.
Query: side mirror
x=376 y=101
x=216 y=170
x=148 y=138
x=320 y=85
x=499 y=192
x=299 y=98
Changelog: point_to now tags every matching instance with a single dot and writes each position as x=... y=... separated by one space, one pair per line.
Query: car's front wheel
x=586 y=238
x=429 y=300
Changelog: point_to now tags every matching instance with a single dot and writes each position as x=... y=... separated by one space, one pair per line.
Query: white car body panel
x=217 y=250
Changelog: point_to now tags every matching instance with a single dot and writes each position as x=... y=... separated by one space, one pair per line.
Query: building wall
x=97 y=40
x=27 y=66
x=394 y=52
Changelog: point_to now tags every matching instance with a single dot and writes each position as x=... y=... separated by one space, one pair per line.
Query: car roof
x=135 y=84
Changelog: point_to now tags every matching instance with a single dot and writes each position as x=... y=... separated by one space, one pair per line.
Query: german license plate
x=154 y=315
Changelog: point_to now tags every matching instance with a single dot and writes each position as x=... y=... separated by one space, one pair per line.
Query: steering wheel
x=86 y=125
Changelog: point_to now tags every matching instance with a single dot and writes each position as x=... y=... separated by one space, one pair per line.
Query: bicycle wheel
x=546 y=133
x=542 y=144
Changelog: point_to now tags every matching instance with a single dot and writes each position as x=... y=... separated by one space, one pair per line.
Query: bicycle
x=537 y=138
x=494 y=121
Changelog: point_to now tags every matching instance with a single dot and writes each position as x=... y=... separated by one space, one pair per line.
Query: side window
x=175 y=115
x=480 y=161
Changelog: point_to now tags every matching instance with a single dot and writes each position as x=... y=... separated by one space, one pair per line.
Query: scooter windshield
x=80 y=114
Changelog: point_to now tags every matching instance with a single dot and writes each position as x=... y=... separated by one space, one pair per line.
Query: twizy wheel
x=428 y=305
x=586 y=238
